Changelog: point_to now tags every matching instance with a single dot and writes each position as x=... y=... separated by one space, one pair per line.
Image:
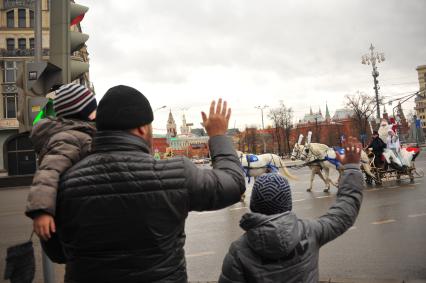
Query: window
x=22 y=43
x=10 y=105
x=11 y=19
x=22 y=18
x=10 y=42
x=9 y=71
x=31 y=19
x=31 y=43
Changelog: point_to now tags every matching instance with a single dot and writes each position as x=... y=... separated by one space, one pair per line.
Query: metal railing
x=21 y=52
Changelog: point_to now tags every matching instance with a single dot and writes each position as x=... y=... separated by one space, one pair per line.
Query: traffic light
x=65 y=39
x=36 y=79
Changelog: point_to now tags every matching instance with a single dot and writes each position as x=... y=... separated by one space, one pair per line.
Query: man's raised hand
x=217 y=122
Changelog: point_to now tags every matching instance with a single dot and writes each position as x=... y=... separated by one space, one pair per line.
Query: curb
x=16 y=181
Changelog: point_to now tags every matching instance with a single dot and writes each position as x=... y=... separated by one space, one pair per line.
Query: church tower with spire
x=327 y=113
x=171 y=126
x=184 y=129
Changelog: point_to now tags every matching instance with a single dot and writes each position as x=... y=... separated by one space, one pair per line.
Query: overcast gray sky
x=251 y=52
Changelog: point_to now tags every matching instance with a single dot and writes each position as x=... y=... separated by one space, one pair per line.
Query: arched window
x=22 y=43
x=11 y=19
x=22 y=18
x=31 y=19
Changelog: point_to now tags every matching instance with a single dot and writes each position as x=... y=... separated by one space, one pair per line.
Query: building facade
x=17 y=44
x=421 y=98
x=193 y=144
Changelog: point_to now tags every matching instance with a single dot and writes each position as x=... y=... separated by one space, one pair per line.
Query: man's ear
x=141 y=130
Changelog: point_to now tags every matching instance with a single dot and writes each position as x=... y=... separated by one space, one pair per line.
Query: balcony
x=10 y=4
x=20 y=52
x=9 y=124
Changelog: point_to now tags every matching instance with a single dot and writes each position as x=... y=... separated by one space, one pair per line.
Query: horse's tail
x=283 y=169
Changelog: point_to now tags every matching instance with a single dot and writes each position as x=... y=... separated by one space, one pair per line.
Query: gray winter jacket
x=284 y=248
x=59 y=144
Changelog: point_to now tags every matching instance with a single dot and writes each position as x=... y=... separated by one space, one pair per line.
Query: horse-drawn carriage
x=321 y=159
x=394 y=166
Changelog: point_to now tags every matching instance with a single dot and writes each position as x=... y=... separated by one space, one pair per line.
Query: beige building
x=421 y=99
x=16 y=47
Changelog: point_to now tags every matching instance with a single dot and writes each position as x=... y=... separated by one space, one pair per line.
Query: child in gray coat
x=59 y=143
x=278 y=246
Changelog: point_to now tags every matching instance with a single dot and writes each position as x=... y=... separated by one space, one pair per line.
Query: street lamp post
x=261 y=111
x=263 y=126
x=373 y=58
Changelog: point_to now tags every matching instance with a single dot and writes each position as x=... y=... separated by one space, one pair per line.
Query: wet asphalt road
x=387 y=242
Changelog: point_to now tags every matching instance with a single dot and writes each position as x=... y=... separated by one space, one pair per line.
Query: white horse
x=256 y=165
x=320 y=157
x=317 y=166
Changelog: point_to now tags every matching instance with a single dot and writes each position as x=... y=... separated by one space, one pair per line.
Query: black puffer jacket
x=121 y=213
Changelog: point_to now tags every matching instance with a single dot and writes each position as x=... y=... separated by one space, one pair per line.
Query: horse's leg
x=313 y=172
x=330 y=180
x=325 y=179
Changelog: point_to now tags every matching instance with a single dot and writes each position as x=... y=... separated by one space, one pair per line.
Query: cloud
x=184 y=53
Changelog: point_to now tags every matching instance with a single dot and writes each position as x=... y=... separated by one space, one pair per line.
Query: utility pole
x=261 y=111
x=373 y=58
x=38 y=32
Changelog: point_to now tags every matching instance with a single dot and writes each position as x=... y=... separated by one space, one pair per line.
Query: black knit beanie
x=271 y=194
x=123 y=108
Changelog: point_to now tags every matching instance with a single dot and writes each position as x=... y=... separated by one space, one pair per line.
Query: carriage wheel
x=378 y=178
x=368 y=179
x=398 y=178
x=411 y=175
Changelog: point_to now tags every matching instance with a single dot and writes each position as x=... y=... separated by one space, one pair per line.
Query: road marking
x=371 y=190
x=410 y=187
x=352 y=228
x=417 y=215
x=238 y=208
x=393 y=187
x=323 y=197
x=296 y=200
x=201 y=254
x=384 y=221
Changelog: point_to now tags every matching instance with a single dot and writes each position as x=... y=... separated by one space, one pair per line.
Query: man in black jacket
x=378 y=146
x=121 y=213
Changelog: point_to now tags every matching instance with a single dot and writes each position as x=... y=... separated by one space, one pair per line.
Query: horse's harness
x=250 y=158
x=317 y=160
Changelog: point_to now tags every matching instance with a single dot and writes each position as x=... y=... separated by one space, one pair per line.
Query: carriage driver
x=378 y=146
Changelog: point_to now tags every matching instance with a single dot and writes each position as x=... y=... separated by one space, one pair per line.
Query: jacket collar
x=118 y=141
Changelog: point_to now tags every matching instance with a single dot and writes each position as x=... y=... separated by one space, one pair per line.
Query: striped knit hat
x=271 y=195
x=74 y=101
